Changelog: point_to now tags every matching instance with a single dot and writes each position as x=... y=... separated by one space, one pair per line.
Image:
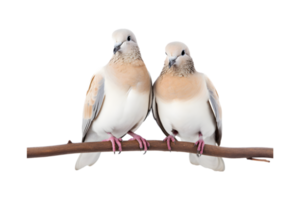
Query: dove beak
x=117 y=48
x=171 y=62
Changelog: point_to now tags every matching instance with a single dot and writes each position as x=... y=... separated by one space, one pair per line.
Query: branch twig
x=155 y=145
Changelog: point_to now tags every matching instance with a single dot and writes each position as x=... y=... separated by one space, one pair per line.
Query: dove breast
x=183 y=106
x=127 y=90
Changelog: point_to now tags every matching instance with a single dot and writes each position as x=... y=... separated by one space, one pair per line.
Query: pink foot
x=114 y=140
x=142 y=142
x=200 y=144
x=168 y=139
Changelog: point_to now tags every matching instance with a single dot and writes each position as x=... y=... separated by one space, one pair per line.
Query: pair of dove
x=184 y=102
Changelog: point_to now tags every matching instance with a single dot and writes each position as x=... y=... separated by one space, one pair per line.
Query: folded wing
x=93 y=103
x=216 y=108
x=156 y=114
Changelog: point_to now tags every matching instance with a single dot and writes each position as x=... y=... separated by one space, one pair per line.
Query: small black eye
x=183 y=53
x=128 y=39
x=166 y=53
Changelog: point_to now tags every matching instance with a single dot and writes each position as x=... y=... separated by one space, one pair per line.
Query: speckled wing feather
x=93 y=103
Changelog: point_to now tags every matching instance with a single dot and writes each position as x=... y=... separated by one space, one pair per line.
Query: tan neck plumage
x=129 y=71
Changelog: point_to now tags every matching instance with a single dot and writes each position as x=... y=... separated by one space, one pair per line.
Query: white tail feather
x=214 y=163
x=86 y=159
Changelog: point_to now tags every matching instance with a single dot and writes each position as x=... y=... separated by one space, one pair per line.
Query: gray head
x=178 y=60
x=124 y=40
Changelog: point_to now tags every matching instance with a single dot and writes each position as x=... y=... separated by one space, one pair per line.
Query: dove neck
x=127 y=57
x=180 y=71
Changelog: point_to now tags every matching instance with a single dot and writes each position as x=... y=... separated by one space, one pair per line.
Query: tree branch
x=155 y=145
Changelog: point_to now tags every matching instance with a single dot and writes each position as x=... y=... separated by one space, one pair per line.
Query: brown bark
x=155 y=145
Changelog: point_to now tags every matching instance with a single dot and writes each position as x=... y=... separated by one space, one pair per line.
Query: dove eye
x=128 y=38
x=183 y=53
x=166 y=53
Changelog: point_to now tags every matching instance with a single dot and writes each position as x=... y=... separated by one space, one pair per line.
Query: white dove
x=118 y=100
x=186 y=104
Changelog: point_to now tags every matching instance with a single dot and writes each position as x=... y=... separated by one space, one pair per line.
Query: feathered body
x=182 y=105
x=124 y=88
x=127 y=91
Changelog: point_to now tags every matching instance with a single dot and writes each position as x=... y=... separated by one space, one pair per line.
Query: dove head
x=178 y=60
x=125 y=41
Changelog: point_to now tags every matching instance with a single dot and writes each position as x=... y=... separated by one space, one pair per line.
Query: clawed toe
x=144 y=144
x=169 y=139
x=200 y=144
x=115 y=141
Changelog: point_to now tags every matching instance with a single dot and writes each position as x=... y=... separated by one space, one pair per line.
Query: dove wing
x=93 y=103
x=156 y=114
x=216 y=109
